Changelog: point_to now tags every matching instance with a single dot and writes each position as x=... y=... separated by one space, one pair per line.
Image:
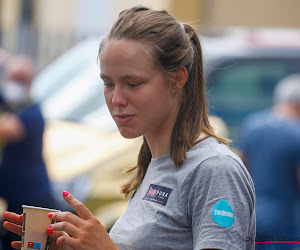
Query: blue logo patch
x=222 y=214
x=158 y=194
x=37 y=245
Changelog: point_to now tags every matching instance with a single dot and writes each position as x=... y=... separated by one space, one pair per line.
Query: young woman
x=189 y=190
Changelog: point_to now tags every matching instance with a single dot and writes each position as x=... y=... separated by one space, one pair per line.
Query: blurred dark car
x=242 y=68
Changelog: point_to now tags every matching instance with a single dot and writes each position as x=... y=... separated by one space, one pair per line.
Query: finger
x=79 y=207
x=13 y=217
x=56 y=234
x=13 y=227
x=66 y=216
x=16 y=244
x=66 y=240
x=64 y=227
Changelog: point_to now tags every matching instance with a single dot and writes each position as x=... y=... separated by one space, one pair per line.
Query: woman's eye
x=108 y=85
x=133 y=85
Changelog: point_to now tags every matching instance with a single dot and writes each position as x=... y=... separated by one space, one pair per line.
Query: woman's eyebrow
x=126 y=77
x=104 y=76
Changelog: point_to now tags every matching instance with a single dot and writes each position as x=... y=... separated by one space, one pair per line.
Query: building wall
x=188 y=11
x=9 y=13
x=156 y=4
x=57 y=25
x=254 y=13
x=225 y=13
x=55 y=15
x=9 y=19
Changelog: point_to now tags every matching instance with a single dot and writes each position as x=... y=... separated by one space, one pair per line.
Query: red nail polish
x=50 y=215
x=21 y=217
x=50 y=231
x=3 y=213
x=65 y=193
x=11 y=243
x=51 y=226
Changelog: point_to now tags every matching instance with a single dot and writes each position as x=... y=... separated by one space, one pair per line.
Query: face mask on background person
x=14 y=93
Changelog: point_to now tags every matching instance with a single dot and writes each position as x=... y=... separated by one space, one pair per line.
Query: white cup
x=34 y=230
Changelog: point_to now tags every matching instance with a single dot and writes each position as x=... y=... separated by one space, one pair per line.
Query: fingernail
x=11 y=243
x=65 y=193
x=3 y=213
x=50 y=231
x=20 y=217
x=50 y=215
x=4 y=223
x=51 y=226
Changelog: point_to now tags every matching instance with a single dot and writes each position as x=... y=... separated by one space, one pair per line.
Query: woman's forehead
x=117 y=54
x=124 y=47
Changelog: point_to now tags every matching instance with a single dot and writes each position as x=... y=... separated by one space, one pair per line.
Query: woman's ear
x=179 y=80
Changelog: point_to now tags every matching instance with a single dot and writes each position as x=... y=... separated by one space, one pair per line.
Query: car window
x=249 y=83
x=238 y=88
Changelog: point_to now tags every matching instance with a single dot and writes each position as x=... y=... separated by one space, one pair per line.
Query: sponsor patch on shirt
x=223 y=214
x=158 y=194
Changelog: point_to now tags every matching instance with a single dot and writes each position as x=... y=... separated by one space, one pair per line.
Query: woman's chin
x=129 y=134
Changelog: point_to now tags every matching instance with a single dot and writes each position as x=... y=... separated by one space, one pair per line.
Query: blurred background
x=44 y=29
x=254 y=42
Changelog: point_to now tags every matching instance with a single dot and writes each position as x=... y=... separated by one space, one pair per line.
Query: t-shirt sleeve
x=221 y=205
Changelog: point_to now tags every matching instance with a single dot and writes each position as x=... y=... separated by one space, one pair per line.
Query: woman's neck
x=159 y=141
x=287 y=111
x=159 y=146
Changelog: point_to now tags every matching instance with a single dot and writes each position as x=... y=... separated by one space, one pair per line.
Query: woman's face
x=136 y=92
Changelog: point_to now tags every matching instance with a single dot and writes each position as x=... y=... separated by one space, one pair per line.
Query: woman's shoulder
x=211 y=157
x=211 y=148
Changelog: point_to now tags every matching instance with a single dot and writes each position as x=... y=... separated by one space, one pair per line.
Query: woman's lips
x=123 y=119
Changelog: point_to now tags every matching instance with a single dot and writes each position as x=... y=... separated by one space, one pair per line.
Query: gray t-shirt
x=207 y=203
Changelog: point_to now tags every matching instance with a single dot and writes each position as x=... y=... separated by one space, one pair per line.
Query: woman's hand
x=83 y=231
x=13 y=224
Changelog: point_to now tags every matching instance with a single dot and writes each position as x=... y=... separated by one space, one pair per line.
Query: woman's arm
x=11 y=128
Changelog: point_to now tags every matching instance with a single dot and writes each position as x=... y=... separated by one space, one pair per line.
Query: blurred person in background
x=271 y=151
x=189 y=190
x=23 y=175
x=4 y=57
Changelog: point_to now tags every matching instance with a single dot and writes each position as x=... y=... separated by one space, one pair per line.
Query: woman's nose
x=119 y=97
